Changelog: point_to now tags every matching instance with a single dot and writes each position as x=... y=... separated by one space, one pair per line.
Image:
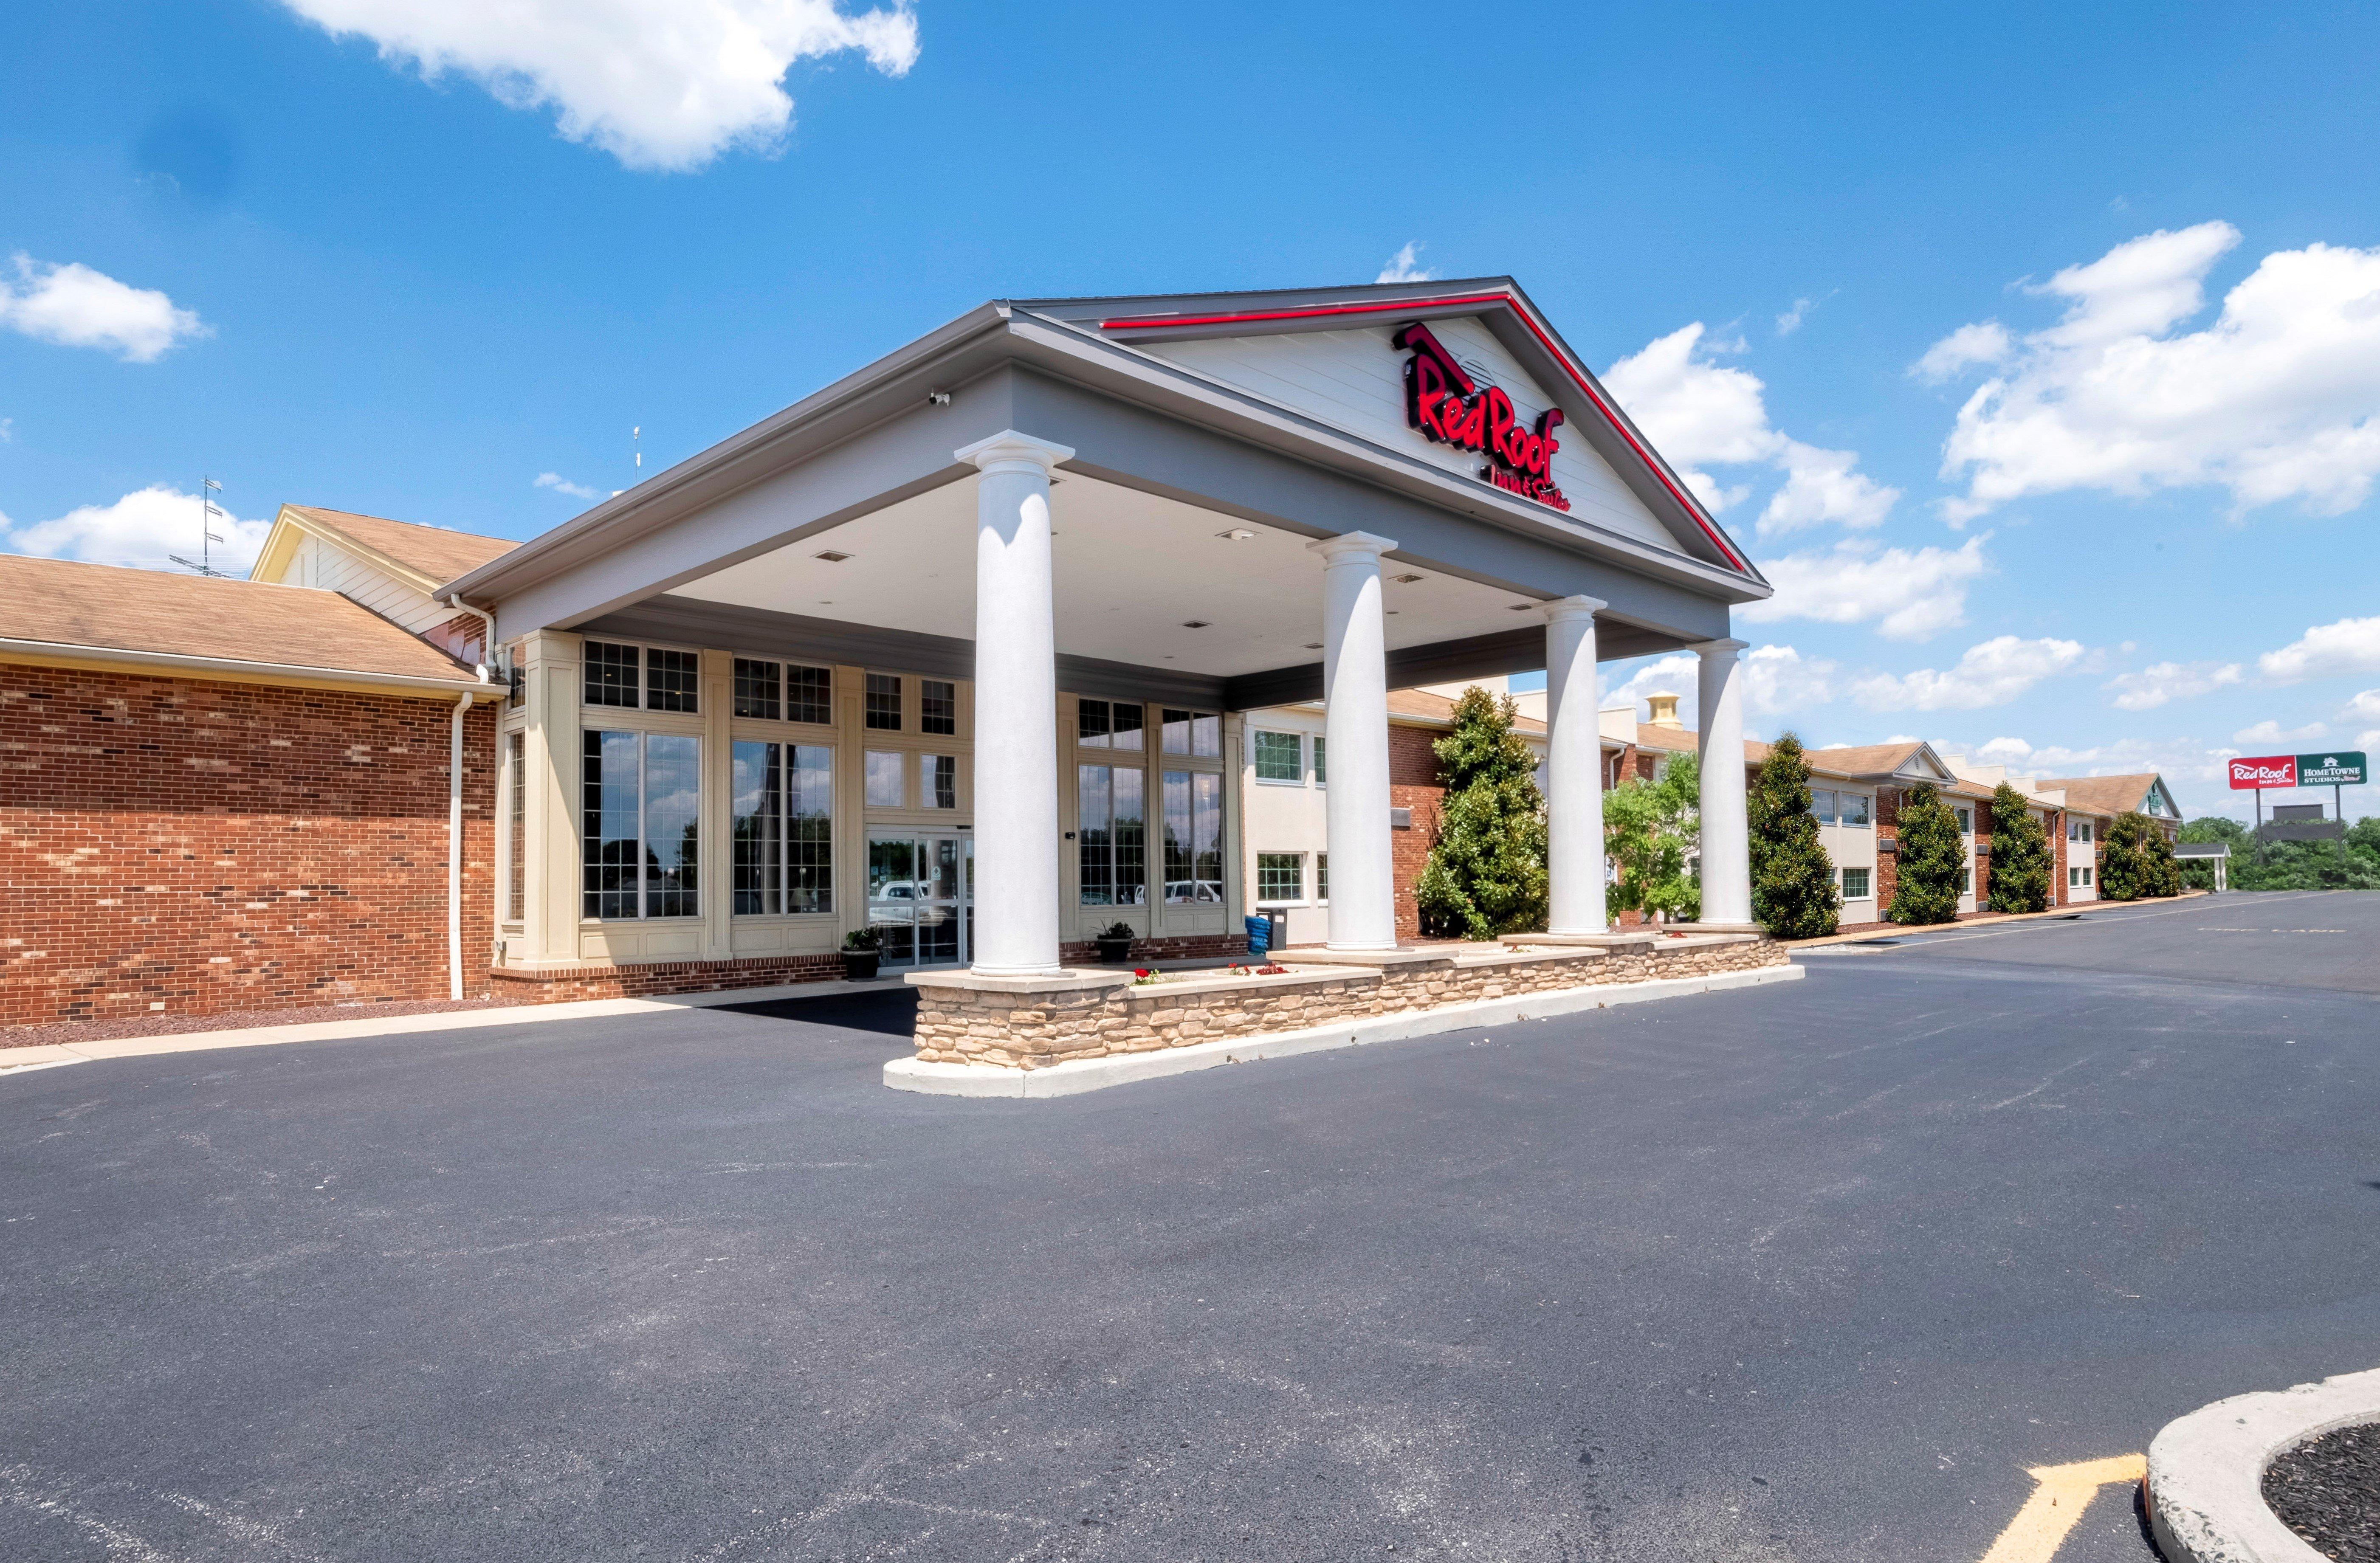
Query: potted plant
x=861 y=949
x=1115 y=943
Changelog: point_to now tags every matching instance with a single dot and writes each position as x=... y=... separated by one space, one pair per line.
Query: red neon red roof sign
x=1610 y=414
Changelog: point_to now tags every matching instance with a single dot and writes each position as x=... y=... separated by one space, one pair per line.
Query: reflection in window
x=809 y=695
x=1196 y=733
x=1280 y=756
x=672 y=821
x=1322 y=768
x=670 y=679
x=886 y=787
x=1111 y=843
x=937 y=706
x=1821 y=804
x=1103 y=724
x=884 y=702
x=1853 y=806
x=609 y=812
x=640 y=811
x=1194 y=836
x=611 y=674
x=1322 y=875
x=783 y=807
x=1854 y=884
x=756 y=689
x=938 y=781
x=1281 y=877
x=517 y=866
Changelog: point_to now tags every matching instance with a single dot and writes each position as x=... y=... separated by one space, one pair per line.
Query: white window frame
x=790 y=742
x=1867 y=884
x=1263 y=900
x=1257 y=737
x=868 y=778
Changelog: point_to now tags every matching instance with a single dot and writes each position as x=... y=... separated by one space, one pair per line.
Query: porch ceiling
x=1132 y=570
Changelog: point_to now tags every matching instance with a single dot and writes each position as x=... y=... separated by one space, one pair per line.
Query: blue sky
x=410 y=267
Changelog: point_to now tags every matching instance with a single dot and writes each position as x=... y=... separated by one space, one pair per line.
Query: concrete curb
x=1094 y=1075
x=1987 y=920
x=15 y=1060
x=2206 y=1470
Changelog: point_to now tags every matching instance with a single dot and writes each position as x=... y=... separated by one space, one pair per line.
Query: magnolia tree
x=1487 y=869
x=2021 y=863
x=1794 y=894
x=1932 y=861
x=1650 y=829
x=2136 y=860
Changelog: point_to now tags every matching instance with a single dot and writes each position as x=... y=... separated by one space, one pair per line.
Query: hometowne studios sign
x=1446 y=405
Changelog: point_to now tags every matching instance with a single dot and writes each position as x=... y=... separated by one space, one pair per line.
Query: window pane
x=1854 y=884
x=1206 y=833
x=1280 y=758
x=809 y=829
x=1854 y=808
x=670 y=680
x=1130 y=828
x=1178 y=885
x=1206 y=736
x=1821 y=804
x=1176 y=733
x=611 y=674
x=1280 y=876
x=672 y=816
x=608 y=829
x=809 y=695
x=1125 y=721
x=886 y=785
x=1091 y=725
x=1322 y=770
x=757 y=815
x=517 y=866
x=756 y=689
x=884 y=701
x=1095 y=852
x=1322 y=875
x=937 y=706
x=938 y=781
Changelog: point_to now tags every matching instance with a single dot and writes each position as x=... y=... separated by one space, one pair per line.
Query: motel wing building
x=958 y=646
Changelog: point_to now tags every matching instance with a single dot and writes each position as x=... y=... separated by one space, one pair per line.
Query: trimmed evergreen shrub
x=2137 y=860
x=1932 y=862
x=1794 y=894
x=2022 y=865
x=1487 y=869
x=1650 y=829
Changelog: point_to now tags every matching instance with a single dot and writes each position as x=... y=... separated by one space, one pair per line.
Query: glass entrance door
x=921 y=898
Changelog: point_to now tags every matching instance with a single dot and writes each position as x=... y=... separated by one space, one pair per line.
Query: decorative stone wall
x=1149 y=951
x=1088 y=1016
x=645 y=979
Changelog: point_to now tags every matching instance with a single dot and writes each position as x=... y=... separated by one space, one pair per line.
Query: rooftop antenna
x=208 y=511
x=636 y=439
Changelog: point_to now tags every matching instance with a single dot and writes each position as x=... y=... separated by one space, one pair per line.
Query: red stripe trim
x=1158 y=322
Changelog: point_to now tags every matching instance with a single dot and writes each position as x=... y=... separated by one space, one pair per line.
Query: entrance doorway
x=921 y=898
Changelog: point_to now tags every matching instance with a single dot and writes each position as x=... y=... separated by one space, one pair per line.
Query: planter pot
x=859 y=965
x=1115 y=952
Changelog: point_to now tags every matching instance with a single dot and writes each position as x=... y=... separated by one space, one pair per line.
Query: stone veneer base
x=1076 y=1076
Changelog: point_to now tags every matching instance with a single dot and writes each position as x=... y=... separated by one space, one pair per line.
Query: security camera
x=938 y=398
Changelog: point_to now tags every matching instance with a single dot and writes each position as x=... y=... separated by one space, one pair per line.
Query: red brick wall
x=1416 y=783
x=1888 y=864
x=185 y=846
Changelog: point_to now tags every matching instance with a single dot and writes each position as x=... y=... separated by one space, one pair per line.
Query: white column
x=1356 y=720
x=1574 y=769
x=1727 y=845
x=1015 y=708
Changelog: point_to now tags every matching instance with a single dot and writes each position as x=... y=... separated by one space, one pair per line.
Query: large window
x=642 y=809
x=937 y=706
x=1966 y=821
x=517 y=825
x=1107 y=724
x=783 y=821
x=1322 y=767
x=1281 y=756
x=1854 y=884
x=1194 y=835
x=1280 y=877
x=1853 y=806
x=667 y=682
x=938 y=781
x=756 y=690
x=1821 y=804
x=884 y=702
x=1112 y=838
x=1322 y=877
x=887 y=779
x=1196 y=733
x=610 y=673
x=670 y=680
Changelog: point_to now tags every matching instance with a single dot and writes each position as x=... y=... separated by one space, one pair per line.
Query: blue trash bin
x=1259 y=933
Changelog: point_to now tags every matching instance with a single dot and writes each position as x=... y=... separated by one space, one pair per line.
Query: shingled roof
x=432 y=553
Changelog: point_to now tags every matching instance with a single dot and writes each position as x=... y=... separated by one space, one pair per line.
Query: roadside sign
x=2336 y=770
x=2268 y=770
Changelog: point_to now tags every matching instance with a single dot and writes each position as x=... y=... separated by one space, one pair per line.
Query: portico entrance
x=921 y=898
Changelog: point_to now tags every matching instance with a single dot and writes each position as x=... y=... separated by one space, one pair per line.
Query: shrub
x=1487 y=869
x=1794 y=894
x=2021 y=860
x=2136 y=860
x=1932 y=862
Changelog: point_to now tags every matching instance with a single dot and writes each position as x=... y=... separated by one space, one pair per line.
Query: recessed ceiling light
x=1405 y=580
x=830 y=556
x=1237 y=534
x=1524 y=607
x=1196 y=623
x=1390 y=612
x=1314 y=645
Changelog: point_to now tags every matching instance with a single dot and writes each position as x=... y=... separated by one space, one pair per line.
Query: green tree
x=2019 y=880
x=1487 y=869
x=1794 y=894
x=1932 y=862
x=2198 y=873
x=1650 y=829
x=2136 y=860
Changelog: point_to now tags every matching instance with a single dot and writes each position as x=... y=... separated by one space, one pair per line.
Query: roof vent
x=830 y=556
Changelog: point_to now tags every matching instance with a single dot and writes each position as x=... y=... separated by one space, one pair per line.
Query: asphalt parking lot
x=1812 y=1272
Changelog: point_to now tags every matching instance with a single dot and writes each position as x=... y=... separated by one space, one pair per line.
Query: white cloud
x=2369 y=741
x=1992 y=672
x=1405 y=266
x=2004 y=751
x=1984 y=342
x=1777 y=680
x=140 y=529
x=2346 y=646
x=562 y=485
x=2277 y=399
x=2161 y=681
x=1790 y=320
x=1911 y=593
x=75 y=306
x=2273 y=733
x=1820 y=485
x=7 y=430
x=2364 y=708
x=1671 y=675
x=659 y=84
